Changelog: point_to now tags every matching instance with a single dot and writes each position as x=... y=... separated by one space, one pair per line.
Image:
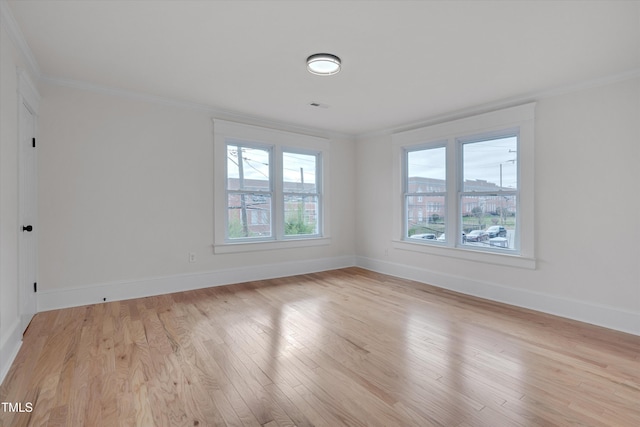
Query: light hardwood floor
x=346 y=347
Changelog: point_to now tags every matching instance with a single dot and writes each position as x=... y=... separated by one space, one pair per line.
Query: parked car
x=442 y=238
x=497 y=231
x=425 y=236
x=499 y=242
x=477 y=236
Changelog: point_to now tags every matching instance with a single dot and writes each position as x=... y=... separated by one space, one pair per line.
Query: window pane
x=489 y=221
x=426 y=217
x=491 y=165
x=426 y=170
x=299 y=173
x=300 y=215
x=247 y=168
x=249 y=215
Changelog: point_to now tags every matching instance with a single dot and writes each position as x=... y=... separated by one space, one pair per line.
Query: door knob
x=27 y=228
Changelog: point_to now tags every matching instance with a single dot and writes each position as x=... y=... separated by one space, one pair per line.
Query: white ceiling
x=403 y=61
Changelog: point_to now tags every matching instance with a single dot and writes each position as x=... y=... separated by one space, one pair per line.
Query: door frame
x=29 y=99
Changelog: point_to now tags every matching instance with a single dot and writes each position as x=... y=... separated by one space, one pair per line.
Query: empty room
x=319 y=213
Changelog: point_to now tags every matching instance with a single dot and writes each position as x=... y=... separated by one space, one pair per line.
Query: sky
x=256 y=165
x=481 y=160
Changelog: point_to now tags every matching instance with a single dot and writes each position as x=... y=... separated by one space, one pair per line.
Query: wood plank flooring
x=340 y=348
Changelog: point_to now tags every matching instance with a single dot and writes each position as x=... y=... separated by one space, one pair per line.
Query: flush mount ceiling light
x=323 y=64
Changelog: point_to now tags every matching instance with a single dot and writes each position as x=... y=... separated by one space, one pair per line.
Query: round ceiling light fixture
x=323 y=64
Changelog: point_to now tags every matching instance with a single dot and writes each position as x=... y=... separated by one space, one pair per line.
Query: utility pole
x=501 y=198
x=304 y=201
x=243 y=202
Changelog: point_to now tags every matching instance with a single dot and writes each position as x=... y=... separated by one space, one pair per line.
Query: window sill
x=495 y=258
x=240 y=247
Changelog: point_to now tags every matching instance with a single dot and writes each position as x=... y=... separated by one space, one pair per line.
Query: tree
x=296 y=224
x=477 y=212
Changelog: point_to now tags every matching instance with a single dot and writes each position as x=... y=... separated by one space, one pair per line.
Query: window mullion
x=268 y=193
x=489 y=193
x=278 y=199
x=454 y=227
x=439 y=193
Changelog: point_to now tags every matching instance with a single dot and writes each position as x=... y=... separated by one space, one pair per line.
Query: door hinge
x=33 y=142
x=35 y=287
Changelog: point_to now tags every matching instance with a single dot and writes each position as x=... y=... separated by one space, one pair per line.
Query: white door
x=28 y=228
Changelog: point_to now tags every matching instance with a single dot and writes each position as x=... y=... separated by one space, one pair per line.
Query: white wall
x=587 y=166
x=126 y=192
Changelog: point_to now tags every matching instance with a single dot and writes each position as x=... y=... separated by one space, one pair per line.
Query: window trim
x=487 y=124
x=280 y=141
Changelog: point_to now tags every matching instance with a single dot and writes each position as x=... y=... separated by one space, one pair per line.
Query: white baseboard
x=139 y=288
x=10 y=343
x=608 y=317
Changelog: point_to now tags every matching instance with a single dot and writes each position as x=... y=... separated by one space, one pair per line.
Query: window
x=473 y=179
x=489 y=193
x=268 y=188
x=249 y=191
x=425 y=188
x=301 y=191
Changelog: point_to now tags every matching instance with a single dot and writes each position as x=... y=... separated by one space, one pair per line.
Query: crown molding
x=260 y=121
x=504 y=103
x=278 y=125
x=216 y=113
x=15 y=34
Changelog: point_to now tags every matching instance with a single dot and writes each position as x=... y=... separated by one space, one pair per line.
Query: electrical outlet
x=192 y=257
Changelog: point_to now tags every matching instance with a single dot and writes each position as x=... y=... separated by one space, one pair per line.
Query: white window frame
x=478 y=138
x=455 y=133
x=270 y=192
x=228 y=132
x=420 y=193
x=318 y=193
